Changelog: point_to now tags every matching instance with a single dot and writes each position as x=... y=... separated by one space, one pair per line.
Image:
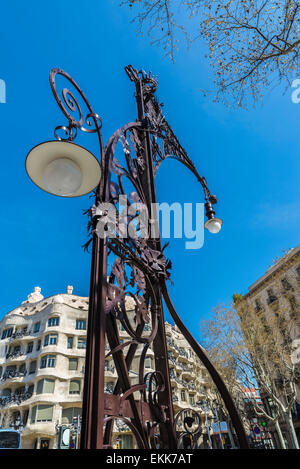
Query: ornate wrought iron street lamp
x=138 y=269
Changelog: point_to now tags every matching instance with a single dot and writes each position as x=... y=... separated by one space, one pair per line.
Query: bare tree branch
x=251 y=43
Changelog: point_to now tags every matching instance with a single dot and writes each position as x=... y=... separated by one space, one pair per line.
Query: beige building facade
x=42 y=358
x=274 y=299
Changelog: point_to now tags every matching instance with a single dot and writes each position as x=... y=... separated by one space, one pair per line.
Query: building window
x=16 y=351
x=73 y=364
x=68 y=415
x=38 y=346
x=148 y=362
x=48 y=361
x=81 y=342
x=19 y=391
x=42 y=413
x=30 y=347
x=45 y=386
x=286 y=284
x=11 y=370
x=81 y=324
x=294 y=314
x=70 y=342
x=6 y=392
x=126 y=441
x=271 y=296
x=50 y=339
x=192 y=400
x=54 y=321
x=257 y=306
x=32 y=367
x=74 y=387
x=183 y=396
x=22 y=369
x=37 y=327
x=293 y=303
x=7 y=333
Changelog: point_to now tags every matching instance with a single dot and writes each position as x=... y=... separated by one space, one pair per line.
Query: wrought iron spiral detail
x=87 y=121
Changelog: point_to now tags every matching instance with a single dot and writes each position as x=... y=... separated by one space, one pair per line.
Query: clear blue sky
x=249 y=158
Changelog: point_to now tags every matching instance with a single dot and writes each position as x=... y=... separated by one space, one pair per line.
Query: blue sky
x=249 y=158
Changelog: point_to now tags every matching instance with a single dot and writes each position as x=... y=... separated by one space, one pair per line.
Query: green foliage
x=237 y=297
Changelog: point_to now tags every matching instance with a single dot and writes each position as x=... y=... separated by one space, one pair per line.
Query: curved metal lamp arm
x=216 y=377
x=71 y=108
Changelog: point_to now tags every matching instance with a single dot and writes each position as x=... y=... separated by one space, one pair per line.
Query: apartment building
x=42 y=356
x=274 y=299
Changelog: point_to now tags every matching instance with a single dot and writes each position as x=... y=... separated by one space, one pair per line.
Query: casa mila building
x=42 y=358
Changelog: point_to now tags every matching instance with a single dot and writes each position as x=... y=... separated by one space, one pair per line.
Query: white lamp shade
x=213 y=225
x=63 y=168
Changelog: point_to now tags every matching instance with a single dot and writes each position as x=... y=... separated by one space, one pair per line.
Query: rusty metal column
x=93 y=394
x=168 y=436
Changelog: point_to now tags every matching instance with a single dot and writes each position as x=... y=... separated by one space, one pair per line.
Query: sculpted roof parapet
x=36 y=302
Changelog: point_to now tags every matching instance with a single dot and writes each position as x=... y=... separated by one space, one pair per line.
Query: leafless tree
x=250 y=357
x=251 y=44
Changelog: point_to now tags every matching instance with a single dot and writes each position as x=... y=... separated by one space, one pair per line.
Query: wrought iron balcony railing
x=19 y=334
x=15 y=354
x=12 y=374
x=15 y=398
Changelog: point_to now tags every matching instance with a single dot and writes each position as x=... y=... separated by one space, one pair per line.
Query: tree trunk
x=291 y=429
x=280 y=436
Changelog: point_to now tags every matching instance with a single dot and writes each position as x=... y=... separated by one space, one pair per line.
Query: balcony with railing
x=183 y=353
x=173 y=377
x=15 y=399
x=171 y=344
x=109 y=388
x=172 y=358
x=11 y=374
x=19 y=334
x=186 y=369
x=14 y=354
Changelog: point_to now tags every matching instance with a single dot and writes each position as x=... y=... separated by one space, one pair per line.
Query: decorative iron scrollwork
x=132 y=288
x=188 y=428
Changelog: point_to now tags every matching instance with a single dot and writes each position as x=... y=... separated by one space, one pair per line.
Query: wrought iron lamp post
x=138 y=269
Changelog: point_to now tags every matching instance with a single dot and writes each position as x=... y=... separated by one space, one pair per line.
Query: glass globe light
x=213 y=225
x=63 y=177
x=63 y=168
